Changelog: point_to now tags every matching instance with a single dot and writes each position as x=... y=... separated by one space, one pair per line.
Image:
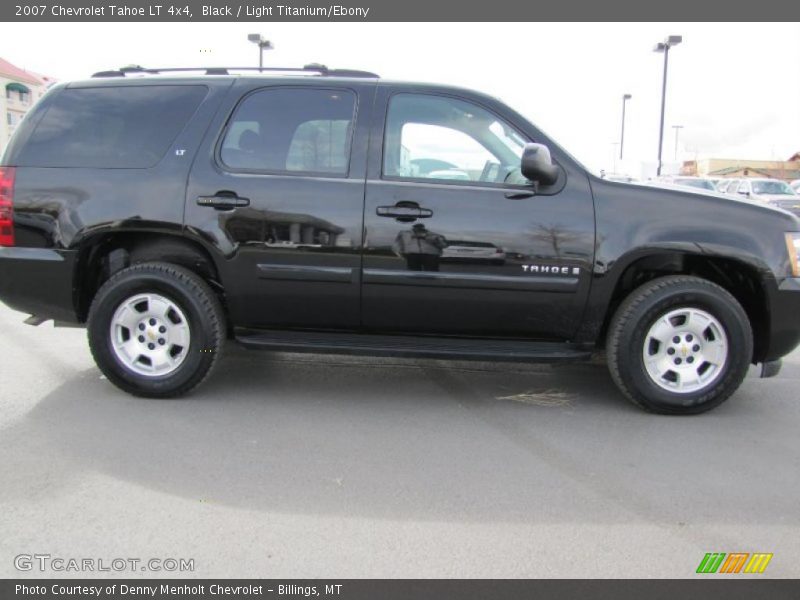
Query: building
x=785 y=170
x=20 y=89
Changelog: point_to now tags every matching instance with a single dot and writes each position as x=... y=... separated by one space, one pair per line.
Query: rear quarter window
x=111 y=127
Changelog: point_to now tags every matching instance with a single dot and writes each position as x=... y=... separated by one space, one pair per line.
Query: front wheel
x=679 y=345
x=156 y=330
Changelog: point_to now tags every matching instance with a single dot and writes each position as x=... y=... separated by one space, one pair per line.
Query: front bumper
x=38 y=281
x=784 y=319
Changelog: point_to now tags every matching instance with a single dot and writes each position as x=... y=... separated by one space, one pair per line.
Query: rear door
x=278 y=190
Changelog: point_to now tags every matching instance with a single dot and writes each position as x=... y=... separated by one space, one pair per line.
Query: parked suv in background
x=772 y=191
x=728 y=186
x=312 y=212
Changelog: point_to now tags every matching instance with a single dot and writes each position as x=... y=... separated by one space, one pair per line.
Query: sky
x=733 y=87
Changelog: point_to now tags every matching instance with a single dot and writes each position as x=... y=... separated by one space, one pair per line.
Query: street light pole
x=262 y=44
x=677 y=129
x=664 y=47
x=625 y=98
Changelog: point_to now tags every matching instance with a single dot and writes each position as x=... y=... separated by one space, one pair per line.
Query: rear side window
x=111 y=127
x=291 y=130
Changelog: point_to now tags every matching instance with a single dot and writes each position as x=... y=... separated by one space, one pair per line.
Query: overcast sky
x=735 y=88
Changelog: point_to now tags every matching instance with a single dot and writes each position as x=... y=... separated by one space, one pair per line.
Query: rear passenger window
x=291 y=130
x=111 y=127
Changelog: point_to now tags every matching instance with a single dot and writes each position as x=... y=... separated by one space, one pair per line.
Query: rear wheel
x=156 y=330
x=679 y=345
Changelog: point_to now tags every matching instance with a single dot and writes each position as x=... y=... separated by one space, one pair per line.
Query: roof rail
x=310 y=68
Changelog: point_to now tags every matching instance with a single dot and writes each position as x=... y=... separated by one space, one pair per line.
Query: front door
x=278 y=189
x=456 y=242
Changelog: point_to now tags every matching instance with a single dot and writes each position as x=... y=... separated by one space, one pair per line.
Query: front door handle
x=404 y=211
x=223 y=201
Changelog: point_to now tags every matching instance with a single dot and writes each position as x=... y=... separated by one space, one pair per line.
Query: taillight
x=6 y=206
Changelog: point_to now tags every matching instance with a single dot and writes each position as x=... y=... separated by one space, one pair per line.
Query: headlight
x=793 y=246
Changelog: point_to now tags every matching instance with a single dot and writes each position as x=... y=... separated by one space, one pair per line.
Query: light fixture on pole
x=262 y=44
x=664 y=47
x=677 y=129
x=625 y=98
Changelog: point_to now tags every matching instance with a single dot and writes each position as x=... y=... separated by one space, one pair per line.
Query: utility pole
x=664 y=47
x=677 y=129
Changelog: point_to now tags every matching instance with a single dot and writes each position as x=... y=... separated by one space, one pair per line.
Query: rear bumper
x=784 y=319
x=38 y=281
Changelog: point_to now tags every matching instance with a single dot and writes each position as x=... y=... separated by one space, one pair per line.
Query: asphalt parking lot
x=314 y=466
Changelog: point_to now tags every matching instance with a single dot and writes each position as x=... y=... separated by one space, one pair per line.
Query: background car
x=795 y=185
x=771 y=191
x=466 y=251
x=728 y=186
x=693 y=182
x=619 y=177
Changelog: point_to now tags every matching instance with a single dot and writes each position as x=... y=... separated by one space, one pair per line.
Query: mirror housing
x=537 y=165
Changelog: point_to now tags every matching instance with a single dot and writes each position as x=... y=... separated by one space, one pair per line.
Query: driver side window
x=448 y=140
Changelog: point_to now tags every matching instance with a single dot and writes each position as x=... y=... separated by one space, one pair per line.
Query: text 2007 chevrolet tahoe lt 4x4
x=331 y=211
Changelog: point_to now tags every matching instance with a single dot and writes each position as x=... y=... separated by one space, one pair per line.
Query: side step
x=411 y=346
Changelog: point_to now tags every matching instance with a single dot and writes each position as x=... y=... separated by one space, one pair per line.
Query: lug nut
x=152 y=321
x=162 y=329
x=696 y=348
x=690 y=360
x=689 y=338
x=151 y=346
x=141 y=326
x=141 y=339
x=162 y=341
x=670 y=351
x=676 y=339
x=678 y=361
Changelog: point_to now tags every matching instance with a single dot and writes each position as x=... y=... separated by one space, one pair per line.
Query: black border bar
x=702 y=588
x=267 y=11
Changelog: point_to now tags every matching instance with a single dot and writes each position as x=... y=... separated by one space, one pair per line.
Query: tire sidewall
x=108 y=301
x=737 y=330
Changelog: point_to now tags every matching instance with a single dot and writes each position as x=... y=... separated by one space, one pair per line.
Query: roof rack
x=311 y=68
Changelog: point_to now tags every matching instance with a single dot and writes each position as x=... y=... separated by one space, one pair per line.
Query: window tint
x=111 y=127
x=433 y=137
x=291 y=130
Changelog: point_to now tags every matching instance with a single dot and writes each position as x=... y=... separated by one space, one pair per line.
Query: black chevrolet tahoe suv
x=329 y=211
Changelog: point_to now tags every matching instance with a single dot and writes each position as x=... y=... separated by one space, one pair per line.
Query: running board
x=411 y=346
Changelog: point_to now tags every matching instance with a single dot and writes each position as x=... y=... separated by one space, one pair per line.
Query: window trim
x=450 y=182
x=221 y=164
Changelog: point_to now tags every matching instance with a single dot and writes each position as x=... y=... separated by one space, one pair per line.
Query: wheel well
x=103 y=256
x=738 y=278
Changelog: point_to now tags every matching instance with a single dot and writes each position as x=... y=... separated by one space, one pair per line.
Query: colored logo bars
x=735 y=562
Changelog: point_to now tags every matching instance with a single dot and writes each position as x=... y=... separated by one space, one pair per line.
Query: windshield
x=771 y=187
x=703 y=184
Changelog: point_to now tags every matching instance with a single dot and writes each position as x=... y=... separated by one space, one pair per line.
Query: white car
x=771 y=191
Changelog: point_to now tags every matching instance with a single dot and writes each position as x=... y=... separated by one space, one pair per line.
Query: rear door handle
x=223 y=201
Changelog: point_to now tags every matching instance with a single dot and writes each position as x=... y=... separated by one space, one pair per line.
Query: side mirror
x=537 y=164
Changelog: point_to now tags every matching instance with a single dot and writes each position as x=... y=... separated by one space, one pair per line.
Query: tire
x=160 y=313
x=652 y=351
